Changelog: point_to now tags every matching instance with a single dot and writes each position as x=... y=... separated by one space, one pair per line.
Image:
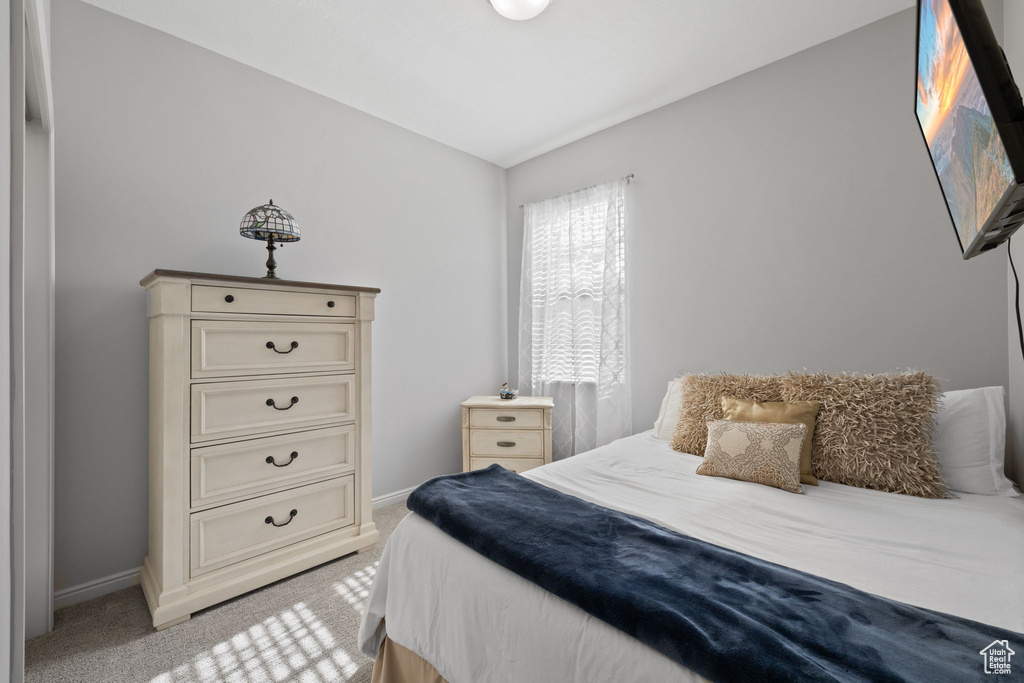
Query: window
x=567 y=295
x=573 y=323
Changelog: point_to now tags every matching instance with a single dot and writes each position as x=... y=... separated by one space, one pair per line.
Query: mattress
x=477 y=622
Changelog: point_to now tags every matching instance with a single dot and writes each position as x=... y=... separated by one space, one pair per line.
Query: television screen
x=966 y=148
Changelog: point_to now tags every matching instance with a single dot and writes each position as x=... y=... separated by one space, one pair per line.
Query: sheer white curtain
x=573 y=325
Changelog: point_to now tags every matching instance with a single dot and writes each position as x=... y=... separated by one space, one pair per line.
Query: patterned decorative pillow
x=873 y=431
x=702 y=403
x=759 y=452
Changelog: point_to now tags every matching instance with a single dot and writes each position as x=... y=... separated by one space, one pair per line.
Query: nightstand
x=515 y=434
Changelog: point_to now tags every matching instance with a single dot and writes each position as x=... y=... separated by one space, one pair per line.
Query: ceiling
x=457 y=72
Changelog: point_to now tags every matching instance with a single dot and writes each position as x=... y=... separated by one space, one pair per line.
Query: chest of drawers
x=515 y=434
x=260 y=445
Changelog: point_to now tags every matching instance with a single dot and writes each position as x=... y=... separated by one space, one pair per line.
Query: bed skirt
x=397 y=664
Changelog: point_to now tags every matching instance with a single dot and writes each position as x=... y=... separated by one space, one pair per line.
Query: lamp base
x=271 y=262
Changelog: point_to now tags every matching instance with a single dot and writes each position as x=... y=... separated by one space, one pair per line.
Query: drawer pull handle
x=271 y=461
x=229 y=298
x=270 y=402
x=505 y=418
x=273 y=347
x=291 y=516
x=506 y=444
x=330 y=304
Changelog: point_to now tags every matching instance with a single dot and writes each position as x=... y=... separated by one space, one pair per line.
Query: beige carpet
x=302 y=629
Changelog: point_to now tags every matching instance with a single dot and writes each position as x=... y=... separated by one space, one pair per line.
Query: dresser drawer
x=506 y=419
x=233 y=533
x=228 y=409
x=514 y=464
x=516 y=444
x=225 y=348
x=241 y=300
x=240 y=470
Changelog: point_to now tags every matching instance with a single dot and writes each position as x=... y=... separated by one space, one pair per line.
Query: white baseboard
x=392 y=498
x=130 y=577
x=94 y=589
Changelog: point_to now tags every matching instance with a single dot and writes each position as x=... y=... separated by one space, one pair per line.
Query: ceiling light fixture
x=519 y=10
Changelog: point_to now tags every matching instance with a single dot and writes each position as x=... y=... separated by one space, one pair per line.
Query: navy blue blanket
x=723 y=614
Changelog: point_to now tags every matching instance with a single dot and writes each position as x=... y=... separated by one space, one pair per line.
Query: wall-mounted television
x=972 y=119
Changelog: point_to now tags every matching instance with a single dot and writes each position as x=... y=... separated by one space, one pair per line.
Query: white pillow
x=970 y=441
x=665 y=425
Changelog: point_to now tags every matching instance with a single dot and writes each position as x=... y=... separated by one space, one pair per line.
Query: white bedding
x=476 y=621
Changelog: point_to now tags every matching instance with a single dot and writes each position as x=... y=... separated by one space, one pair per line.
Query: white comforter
x=476 y=621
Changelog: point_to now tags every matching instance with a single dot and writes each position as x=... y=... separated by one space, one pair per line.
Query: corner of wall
x=1014 y=388
x=1012 y=39
x=503 y=266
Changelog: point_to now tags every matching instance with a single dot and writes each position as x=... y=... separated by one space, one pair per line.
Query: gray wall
x=162 y=147
x=787 y=219
x=1013 y=45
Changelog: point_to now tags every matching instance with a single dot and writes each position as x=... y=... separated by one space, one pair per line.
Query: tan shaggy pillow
x=873 y=431
x=702 y=403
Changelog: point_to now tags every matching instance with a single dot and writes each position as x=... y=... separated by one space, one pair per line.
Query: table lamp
x=270 y=223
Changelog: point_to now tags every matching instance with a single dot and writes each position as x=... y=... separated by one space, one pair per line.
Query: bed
x=475 y=621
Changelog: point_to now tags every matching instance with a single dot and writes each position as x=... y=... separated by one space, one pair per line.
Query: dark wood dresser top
x=185 y=274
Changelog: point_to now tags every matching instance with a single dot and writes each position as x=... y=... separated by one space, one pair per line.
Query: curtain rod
x=628 y=179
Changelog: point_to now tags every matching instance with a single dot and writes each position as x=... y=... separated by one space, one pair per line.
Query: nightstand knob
x=505 y=418
x=229 y=298
x=330 y=304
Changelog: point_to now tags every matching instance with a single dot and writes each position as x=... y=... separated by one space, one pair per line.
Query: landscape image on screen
x=964 y=143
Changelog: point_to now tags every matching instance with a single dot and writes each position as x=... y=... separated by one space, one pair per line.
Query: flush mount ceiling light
x=519 y=9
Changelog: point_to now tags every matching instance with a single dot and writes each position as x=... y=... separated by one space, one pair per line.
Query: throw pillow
x=873 y=431
x=758 y=452
x=701 y=402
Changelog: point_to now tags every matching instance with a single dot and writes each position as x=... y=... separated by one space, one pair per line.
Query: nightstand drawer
x=517 y=465
x=236 y=471
x=511 y=443
x=240 y=300
x=488 y=418
x=228 y=348
x=229 y=409
x=233 y=533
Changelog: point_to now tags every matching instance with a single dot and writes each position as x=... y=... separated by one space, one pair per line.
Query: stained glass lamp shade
x=270 y=223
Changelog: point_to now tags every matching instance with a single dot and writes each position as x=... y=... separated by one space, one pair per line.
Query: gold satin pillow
x=795 y=412
x=758 y=452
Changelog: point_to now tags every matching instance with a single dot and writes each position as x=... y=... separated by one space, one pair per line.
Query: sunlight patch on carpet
x=291 y=646
x=355 y=587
